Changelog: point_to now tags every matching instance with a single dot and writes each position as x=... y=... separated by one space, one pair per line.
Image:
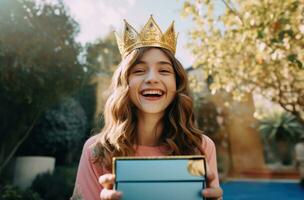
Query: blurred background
x=244 y=60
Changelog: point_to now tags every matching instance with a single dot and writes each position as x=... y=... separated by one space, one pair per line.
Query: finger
x=212 y=192
x=107 y=181
x=106 y=194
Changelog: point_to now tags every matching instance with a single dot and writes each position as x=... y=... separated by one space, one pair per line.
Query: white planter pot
x=26 y=169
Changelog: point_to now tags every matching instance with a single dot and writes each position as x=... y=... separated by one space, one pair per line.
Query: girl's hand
x=107 y=193
x=212 y=192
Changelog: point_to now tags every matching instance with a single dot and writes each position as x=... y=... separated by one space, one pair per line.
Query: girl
x=149 y=113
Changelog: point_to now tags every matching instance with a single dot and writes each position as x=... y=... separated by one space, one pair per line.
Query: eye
x=137 y=71
x=165 y=71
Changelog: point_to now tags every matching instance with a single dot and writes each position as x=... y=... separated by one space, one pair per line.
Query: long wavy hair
x=118 y=137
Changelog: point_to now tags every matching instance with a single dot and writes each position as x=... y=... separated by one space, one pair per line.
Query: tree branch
x=233 y=10
x=11 y=154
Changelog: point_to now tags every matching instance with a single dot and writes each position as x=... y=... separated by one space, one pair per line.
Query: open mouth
x=152 y=94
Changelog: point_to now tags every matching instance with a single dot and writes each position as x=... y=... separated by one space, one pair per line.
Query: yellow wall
x=245 y=147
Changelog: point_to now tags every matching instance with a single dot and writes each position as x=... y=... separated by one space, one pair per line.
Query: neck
x=149 y=129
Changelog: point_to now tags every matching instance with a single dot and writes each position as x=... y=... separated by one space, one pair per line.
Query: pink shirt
x=87 y=186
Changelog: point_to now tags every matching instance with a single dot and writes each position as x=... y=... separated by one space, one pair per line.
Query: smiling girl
x=149 y=113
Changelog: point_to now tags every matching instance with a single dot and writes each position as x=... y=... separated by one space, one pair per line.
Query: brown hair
x=118 y=137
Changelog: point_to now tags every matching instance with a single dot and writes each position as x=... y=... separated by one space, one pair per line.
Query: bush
x=281 y=126
x=9 y=192
x=59 y=133
x=58 y=185
x=280 y=131
x=87 y=98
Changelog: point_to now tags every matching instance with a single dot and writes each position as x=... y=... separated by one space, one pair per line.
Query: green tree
x=38 y=66
x=102 y=59
x=103 y=55
x=60 y=132
x=253 y=46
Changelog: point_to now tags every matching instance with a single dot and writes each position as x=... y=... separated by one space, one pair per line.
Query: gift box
x=160 y=178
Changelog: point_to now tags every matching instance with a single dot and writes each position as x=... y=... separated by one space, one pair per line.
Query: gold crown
x=150 y=36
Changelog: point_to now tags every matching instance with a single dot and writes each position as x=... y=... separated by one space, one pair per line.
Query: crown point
x=172 y=25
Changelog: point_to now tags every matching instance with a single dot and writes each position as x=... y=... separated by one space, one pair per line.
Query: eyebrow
x=159 y=62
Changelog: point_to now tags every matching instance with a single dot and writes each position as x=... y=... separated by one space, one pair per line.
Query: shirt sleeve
x=87 y=186
x=210 y=153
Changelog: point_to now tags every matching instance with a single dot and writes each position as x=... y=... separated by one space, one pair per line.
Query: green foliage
x=251 y=46
x=102 y=58
x=280 y=132
x=58 y=185
x=207 y=116
x=9 y=192
x=87 y=98
x=38 y=66
x=38 y=50
x=59 y=133
x=103 y=55
x=280 y=126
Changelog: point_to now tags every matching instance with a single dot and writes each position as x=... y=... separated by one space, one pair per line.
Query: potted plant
x=58 y=136
x=281 y=131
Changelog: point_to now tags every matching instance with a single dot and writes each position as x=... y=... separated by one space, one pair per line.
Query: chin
x=152 y=111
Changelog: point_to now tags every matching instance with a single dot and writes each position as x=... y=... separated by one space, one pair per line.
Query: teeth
x=152 y=92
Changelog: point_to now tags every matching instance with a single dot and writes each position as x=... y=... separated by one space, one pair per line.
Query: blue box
x=160 y=178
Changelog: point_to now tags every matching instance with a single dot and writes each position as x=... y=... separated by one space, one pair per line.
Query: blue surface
x=160 y=179
x=161 y=191
x=154 y=170
x=247 y=190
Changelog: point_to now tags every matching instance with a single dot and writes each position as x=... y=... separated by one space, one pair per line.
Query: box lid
x=183 y=168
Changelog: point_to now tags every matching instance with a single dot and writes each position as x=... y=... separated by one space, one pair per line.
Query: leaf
x=260 y=34
x=285 y=33
x=294 y=59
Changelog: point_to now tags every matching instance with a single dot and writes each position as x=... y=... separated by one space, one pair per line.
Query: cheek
x=133 y=85
x=171 y=85
x=134 y=80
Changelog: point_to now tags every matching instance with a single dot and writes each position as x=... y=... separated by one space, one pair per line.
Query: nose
x=152 y=77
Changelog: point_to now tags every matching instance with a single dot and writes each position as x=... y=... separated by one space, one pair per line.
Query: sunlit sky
x=99 y=17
